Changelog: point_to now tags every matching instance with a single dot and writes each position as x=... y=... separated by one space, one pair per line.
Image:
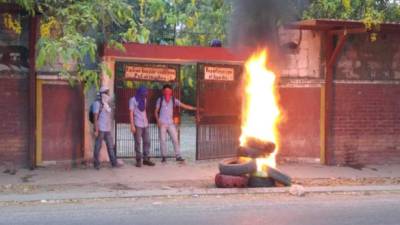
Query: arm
x=96 y=113
x=188 y=107
x=156 y=112
x=132 y=121
x=96 y=124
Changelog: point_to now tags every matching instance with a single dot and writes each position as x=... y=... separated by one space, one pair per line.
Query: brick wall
x=362 y=59
x=14 y=120
x=366 y=123
x=366 y=113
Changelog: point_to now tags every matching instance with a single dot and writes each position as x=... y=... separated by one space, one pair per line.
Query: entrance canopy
x=176 y=54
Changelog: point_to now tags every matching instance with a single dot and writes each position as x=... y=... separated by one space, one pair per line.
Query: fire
x=261 y=110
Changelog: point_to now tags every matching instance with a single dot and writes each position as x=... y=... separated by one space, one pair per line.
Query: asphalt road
x=228 y=210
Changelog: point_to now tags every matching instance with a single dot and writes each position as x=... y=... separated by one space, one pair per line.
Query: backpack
x=91 y=113
x=175 y=112
x=161 y=100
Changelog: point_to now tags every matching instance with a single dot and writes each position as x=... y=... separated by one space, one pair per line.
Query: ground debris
x=297 y=190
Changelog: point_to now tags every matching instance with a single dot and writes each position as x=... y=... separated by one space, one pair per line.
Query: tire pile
x=241 y=172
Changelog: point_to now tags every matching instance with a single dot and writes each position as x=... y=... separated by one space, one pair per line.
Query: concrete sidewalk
x=173 y=179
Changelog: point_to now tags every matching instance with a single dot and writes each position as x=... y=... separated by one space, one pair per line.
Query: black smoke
x=255 y=23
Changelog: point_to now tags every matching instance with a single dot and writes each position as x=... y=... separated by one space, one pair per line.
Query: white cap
x=103 y=89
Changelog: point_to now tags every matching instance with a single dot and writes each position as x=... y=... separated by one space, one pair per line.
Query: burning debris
x=256 y=165
x=255 y=148
x=243 y=171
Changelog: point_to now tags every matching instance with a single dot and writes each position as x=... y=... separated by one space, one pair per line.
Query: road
x=319 y=209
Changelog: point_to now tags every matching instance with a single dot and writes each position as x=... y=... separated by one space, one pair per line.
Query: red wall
x=366 y=124
x=300 y=128
x=14 y=120
x=62 y=123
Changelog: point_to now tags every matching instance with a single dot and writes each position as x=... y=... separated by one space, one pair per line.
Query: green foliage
x=188 y=84
x=371 y=12
x=71 y=31
x=183 y=22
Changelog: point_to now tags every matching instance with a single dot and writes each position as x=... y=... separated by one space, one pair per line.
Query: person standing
x=102 y=127
x=140 y=126
x=164 y=116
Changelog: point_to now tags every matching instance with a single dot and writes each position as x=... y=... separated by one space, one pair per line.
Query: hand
x=200 y=109
x=159 y=124
x=133 y=129
x=96 y=133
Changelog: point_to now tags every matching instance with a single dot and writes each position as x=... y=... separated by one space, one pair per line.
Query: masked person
x=140 y=126
x=102 y=127
x=164 y=116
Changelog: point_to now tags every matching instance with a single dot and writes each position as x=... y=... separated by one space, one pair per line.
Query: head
x=167 y=91
x=104 y=90
x=141 y=92
x=104 y=94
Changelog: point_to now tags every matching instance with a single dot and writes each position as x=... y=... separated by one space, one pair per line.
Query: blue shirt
x=167 y=110
x=139 y=117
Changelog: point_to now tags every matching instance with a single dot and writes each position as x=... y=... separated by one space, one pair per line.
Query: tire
x=227 y=181
x=253 y=152
x=278 y=176
x=261 y=182
x=234 y=167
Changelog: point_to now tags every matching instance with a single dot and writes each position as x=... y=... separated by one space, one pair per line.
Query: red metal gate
x=218 y=123
x=128 y=77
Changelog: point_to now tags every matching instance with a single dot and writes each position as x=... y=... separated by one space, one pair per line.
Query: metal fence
x=217 y=141
x=126 y=144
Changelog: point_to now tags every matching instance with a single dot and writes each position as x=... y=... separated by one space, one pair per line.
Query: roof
x=335 y=24
x=176 y=54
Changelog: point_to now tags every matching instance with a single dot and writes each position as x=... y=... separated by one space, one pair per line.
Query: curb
x=77 y=196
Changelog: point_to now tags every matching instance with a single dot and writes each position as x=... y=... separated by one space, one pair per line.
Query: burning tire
x=255 y=148
x=237 y=167
x=227 y=181
x=253 y=152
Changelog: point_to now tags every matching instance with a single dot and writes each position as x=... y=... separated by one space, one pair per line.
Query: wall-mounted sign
x=150 y=73
x=219 y=73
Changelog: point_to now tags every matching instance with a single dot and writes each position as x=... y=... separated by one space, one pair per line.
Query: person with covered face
x=164 y=116
x=140 y=126
x=102 y=127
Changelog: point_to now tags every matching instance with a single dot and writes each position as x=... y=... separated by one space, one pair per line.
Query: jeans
x=142 y=133
x=171 y=129
x=104 y=135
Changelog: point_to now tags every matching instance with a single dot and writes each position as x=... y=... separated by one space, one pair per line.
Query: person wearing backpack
x=164 y=115
x=140 y=126
x=102 y=127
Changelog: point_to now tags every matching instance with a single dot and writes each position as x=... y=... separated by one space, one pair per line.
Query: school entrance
x=210 y=132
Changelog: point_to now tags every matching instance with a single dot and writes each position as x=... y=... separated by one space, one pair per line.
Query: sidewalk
x=191 y=178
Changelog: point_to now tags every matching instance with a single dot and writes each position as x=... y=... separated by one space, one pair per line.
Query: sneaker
x=97 y=167
x=139 y=163
x=180 y=159
x=164 y=159
x=148 y=163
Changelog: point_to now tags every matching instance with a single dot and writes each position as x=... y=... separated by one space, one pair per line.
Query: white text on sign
x=219 y=73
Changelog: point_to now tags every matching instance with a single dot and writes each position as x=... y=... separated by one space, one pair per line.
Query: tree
x=72 y=30
x=371 y=12
x=184 y=22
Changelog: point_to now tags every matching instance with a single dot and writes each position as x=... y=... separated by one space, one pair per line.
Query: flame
x=261 y=110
